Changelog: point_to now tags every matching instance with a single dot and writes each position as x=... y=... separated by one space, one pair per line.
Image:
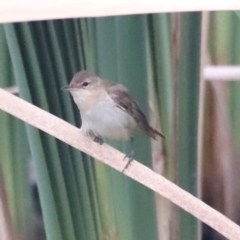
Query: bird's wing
x=124 y=101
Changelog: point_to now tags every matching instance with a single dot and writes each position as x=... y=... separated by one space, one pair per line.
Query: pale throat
x=87 y=99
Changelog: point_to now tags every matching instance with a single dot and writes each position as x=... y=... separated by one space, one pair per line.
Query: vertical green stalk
x=46 y=195
x=132 y=72
x=13 y=159
x=159 y=65
x=235 y=86
x=188 y=114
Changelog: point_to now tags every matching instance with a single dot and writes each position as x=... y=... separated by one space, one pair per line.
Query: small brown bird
x=107 y=109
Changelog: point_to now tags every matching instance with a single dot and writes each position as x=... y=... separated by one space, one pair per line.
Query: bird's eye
x=85 y=84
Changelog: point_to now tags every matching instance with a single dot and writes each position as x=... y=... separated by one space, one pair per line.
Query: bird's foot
x=98 y=139
x=130 y=159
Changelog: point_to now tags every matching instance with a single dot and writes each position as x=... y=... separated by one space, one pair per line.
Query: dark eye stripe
x=85 y=84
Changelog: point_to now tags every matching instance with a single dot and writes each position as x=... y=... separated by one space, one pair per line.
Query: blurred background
x=48 y=190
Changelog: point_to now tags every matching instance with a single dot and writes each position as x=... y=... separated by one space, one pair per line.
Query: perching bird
x=107 y=110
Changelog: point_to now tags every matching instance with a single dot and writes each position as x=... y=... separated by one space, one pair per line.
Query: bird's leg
x=98 y=139
x=129 y=156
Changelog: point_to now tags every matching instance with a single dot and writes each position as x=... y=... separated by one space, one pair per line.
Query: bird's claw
x=130 y=159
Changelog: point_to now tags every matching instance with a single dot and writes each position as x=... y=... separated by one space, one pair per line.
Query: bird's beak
x=65 y=88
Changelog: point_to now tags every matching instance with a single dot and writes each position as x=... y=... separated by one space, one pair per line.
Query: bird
x=107 y=110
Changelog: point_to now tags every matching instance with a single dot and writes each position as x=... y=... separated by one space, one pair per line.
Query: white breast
x=107 y=120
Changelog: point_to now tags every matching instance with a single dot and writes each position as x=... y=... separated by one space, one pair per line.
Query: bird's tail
x=153 y=133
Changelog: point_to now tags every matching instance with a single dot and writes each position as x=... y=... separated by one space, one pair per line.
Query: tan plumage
x=107 y=109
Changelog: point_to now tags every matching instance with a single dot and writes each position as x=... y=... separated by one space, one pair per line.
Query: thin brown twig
x=175 y=143
x=204 y=30
x=200 y=133
x=112 y=157
x=176 y=40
